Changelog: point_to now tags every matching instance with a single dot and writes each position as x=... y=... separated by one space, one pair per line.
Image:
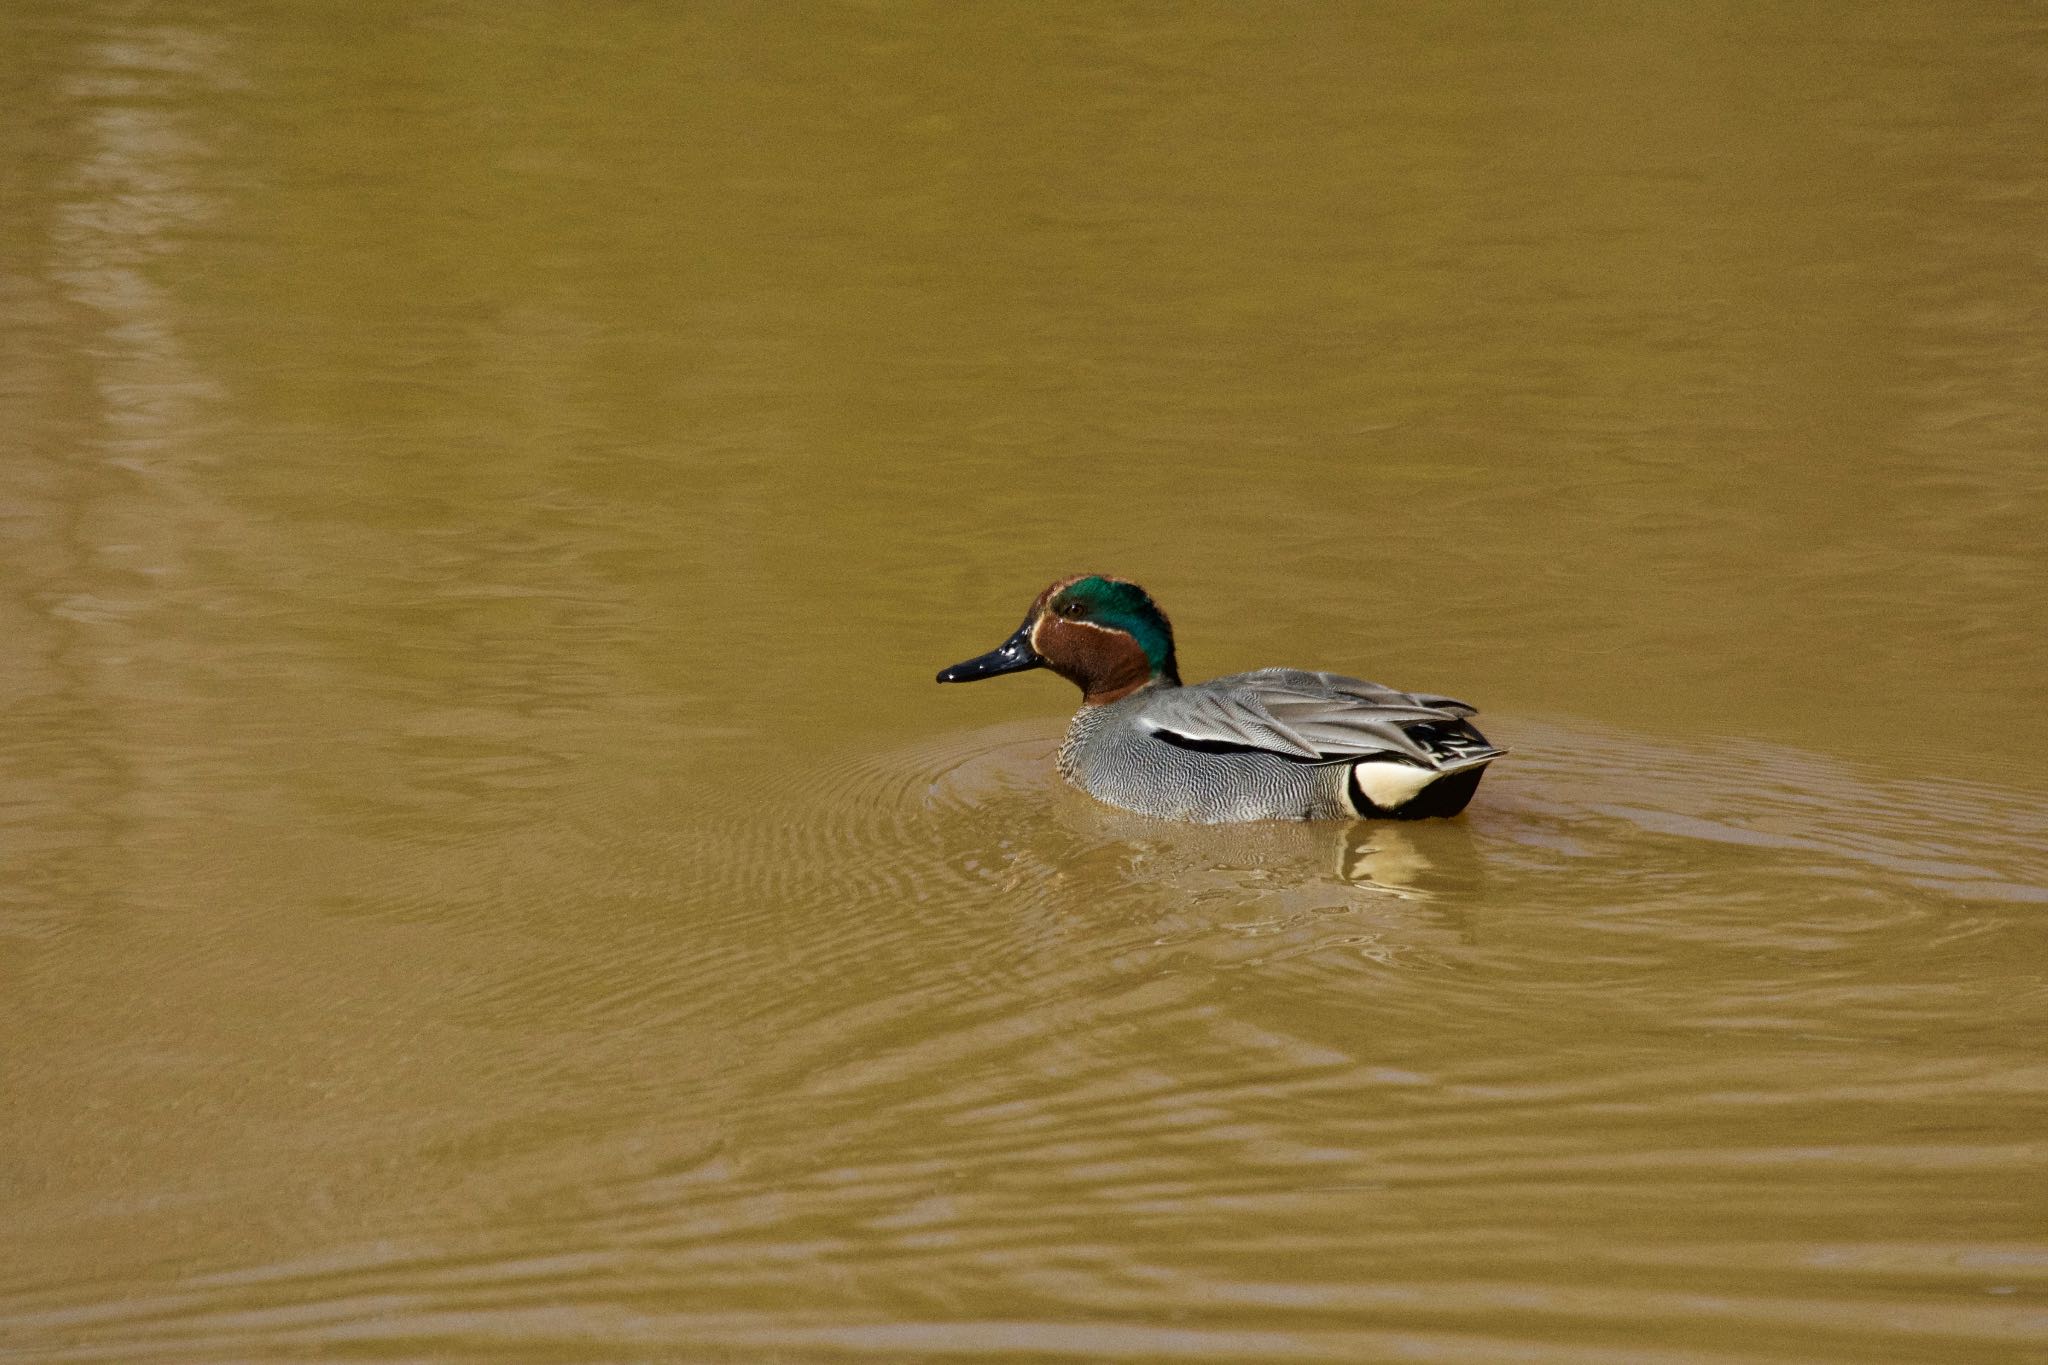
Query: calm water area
x=486 y=873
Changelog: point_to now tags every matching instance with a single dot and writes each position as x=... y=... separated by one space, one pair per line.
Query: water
x=489 y=874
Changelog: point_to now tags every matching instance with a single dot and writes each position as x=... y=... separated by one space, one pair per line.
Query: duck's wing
x=1310 y=717
x=1376 y=693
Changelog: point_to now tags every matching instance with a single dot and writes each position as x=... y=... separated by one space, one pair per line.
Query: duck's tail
x=1400 y=790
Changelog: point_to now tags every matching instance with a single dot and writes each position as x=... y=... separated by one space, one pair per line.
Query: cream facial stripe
x=1039 y=624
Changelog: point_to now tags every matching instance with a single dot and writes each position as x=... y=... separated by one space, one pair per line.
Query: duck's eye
x=1070 y=609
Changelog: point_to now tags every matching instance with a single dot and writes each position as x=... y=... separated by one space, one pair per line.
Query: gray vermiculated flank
x=1275 y=744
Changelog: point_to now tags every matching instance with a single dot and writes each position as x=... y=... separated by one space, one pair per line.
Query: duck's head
x=1104 y=635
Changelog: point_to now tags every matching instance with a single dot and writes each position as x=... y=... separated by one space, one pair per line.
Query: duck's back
x=1278 y=743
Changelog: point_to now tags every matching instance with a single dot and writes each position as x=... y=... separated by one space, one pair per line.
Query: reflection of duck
x=1279 y=743
x=1416 y=861
x=1391 y=861
x=1409 y=861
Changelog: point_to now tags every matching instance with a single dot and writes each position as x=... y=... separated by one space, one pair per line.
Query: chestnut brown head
x=1105 y=635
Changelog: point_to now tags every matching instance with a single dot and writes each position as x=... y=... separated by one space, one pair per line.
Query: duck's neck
x=1106 y=662
x=1104 y=691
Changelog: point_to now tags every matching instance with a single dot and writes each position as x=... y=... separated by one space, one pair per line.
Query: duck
x=1273 y=744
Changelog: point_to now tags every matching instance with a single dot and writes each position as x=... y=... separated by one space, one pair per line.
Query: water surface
x=488 y=872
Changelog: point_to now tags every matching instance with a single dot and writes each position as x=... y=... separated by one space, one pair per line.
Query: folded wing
x=1316 y=718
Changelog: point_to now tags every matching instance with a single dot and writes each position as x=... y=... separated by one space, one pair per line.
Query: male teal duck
x=1275 y=744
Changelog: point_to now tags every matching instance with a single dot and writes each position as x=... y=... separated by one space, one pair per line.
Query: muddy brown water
x=488 y=874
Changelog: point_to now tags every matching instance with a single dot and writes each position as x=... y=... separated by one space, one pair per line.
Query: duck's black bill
x=1013 y=655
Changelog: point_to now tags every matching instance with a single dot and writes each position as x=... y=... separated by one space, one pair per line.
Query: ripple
x=935 y=1055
